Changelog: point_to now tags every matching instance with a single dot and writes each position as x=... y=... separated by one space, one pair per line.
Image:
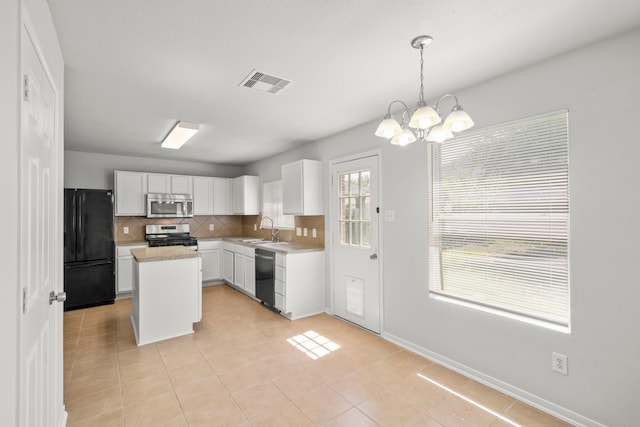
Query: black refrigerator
x=89 y=277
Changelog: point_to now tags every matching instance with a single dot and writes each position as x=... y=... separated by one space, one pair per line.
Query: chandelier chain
x=421 y=95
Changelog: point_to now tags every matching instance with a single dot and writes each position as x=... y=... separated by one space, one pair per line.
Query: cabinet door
x=131 y=188
x=158 y=183
x=292 y=185
x=202 y=195
x=250 y=275
x=302 y=188
x=210 y=265
x=238 y=195
x=222 y=196
x=238 y=278
x=245 y=195
x=124 y=267
x=227 y=266
x=181 y=184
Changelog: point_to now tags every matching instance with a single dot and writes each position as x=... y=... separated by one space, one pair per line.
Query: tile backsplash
x=223 y=226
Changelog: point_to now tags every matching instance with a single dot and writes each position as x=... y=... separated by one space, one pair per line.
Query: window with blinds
x=499 y=219
x=272 y=207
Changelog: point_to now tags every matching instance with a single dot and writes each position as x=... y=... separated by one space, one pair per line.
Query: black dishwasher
x=265 y=280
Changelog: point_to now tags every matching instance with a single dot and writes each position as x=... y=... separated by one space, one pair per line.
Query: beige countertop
x=163 y=253
x=283 y=247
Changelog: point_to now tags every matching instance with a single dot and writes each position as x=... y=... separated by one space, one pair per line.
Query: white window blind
x=499 y=219
x=272 y=207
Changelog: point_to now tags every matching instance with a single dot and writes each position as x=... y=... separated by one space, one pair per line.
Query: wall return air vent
x=264 y=82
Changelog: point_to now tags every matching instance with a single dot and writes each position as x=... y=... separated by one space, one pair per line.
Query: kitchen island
x=166 y=294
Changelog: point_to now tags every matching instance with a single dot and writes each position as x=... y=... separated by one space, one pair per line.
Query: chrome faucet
x=274 y=232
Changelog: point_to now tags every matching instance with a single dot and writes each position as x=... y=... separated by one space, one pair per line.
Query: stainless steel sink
x=267 y=243
x=254 y=240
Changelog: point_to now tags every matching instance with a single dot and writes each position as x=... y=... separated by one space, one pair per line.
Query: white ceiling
x=135 y=67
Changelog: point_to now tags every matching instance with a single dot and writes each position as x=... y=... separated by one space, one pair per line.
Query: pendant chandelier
x=425 y=123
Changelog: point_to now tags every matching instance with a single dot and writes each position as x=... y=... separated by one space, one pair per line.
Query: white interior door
x=355 y=236
x=40 y=198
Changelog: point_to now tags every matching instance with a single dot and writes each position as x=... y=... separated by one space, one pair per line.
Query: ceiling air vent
x=264 y=82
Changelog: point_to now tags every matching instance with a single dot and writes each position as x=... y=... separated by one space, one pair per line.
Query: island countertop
x=163 y=253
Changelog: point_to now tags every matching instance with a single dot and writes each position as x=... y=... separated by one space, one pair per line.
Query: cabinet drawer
x=281 y=259
x=228 y=246
x=208 y=245
x=250 y=252
x=280 y=287
x=280 y=273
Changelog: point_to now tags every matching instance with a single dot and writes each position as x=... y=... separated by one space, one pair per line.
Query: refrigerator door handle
x=79 y=242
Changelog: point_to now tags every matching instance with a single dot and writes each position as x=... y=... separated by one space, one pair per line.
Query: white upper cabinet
x=181 y=184
x=202 y=195
x=302 y=188
x=245 y=195
x=169 y=184
x=130 y=192
x=222 y=190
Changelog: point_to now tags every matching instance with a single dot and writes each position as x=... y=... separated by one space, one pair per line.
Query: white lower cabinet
x=211 y=263
x=124 y=267
x=238 y=262
x=227 y=262
x=244 y=269
x=299 y=284
x=250 y=271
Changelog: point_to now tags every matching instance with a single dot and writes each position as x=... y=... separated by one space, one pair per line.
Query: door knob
x=373 y=256
x=60 y=297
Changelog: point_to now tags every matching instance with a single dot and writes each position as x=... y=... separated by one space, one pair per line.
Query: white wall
x=90 y=170
x=9 y=123
x=597 y=84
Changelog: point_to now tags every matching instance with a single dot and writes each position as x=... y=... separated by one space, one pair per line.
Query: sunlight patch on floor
x=313 y=344
x=473 y=402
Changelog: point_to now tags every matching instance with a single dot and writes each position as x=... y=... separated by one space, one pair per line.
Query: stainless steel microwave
x=169 y=205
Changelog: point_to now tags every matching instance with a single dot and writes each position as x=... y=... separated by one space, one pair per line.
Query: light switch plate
x=125 y=230
x=298 y=231
x=304 y=231
x=210 y=227
x=314 y=233
x=255 y=227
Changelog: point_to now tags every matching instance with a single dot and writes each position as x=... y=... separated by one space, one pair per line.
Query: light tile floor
x=247 y=366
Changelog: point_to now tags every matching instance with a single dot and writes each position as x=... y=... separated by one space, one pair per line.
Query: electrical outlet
x=314 y=233
x=210 y=227
x=560 y=363
x=298 y=231
x=125 y=230
x=304 y=231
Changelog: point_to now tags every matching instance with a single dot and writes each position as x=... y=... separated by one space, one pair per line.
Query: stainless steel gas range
x=170 y=235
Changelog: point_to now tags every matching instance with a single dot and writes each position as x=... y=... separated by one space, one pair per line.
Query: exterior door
x=40 y=198
x=355 y=235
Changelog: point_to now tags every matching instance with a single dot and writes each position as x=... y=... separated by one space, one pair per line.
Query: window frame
x=551 y=322
x=280 y=220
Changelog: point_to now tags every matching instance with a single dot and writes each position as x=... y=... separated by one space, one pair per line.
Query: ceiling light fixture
x=425 y=122
x=180 y=134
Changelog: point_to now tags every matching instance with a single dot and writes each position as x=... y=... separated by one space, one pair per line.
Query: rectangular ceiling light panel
x=264 y=82
x=180 y=134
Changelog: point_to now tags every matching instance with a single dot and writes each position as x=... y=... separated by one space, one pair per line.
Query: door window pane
x=355 y=208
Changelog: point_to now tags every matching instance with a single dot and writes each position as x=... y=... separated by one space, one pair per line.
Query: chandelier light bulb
x=403 y=138
x=439 y=134
x=458 y=120
x=424 y=117
x=388 y=127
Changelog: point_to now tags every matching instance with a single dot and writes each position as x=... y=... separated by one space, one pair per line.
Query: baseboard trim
x=515 y=392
